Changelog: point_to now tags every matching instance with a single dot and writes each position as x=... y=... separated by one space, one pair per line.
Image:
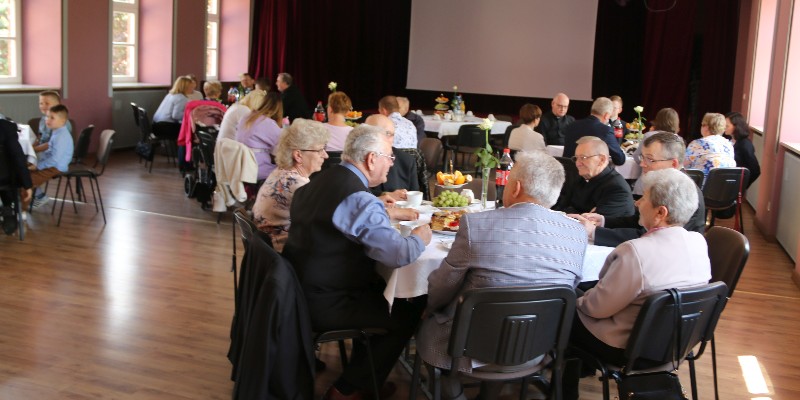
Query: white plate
x=425 y=209
x=451 y=186
x=452 y=208
x=448 y=233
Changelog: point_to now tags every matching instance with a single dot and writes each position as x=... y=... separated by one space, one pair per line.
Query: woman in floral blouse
x=712 y=150
x=300 y=152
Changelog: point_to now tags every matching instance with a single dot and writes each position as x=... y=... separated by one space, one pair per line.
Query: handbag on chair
x=661 y=385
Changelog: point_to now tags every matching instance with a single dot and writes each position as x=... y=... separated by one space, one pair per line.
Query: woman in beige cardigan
x=667 y=256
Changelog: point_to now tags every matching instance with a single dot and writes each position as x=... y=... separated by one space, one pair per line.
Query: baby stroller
x=201 y=181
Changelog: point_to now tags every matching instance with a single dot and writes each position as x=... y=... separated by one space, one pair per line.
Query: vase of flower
x=486 y=160
x=485 y=171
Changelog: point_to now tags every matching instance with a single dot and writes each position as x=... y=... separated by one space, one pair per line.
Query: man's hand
x=597 y=219
x=587 y=224
x=424 y=233
x=400 y=194
x=403 y=214
x=388 y=200
x=26 y=194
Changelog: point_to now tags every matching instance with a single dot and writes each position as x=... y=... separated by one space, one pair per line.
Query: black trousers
x=367 y=309
x=575 y=368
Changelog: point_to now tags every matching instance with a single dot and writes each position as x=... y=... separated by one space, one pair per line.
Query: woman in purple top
x=260 y=131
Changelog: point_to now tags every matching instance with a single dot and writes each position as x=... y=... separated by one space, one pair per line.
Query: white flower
x=638 y=109
x=486 y=124
x=332 y=86
x=455 y=88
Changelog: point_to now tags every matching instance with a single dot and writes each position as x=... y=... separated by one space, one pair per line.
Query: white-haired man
x=596 y=125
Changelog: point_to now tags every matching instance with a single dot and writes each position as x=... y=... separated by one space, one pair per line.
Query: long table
x=450 y=128
x=629 y=170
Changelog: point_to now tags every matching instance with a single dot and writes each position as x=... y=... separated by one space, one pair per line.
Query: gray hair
x=715 y=123
x=602 y=105
x=672 y=189
x=598 y=145
x=361 y=141
x=541 y=176
x=303 y=134
x=672 y=145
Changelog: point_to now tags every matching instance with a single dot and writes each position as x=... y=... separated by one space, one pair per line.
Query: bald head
x=383 y=122
x=560 y=105
x=402 y=102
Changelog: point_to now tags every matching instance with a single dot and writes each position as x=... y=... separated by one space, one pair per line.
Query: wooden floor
x=141 y=308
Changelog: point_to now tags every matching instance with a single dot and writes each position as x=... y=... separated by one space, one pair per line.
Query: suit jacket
x=617 y=230
x=592 y=126
x=608 y=193
x=522 y=245
x=16 y=170
x=552 y=128
x=402 y=175
x=666 y=258
x=294 y=103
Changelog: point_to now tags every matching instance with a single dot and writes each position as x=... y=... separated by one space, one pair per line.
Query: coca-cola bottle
x=618 y=131
x=319 y=112
x=501 y=178
x=233 y=95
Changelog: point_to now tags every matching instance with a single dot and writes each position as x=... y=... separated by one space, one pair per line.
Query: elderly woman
x=260 y=131
x=213 y=90
x=236 y=112
x=712 y=150
x=338 y=105
x=743 y=151
x=667 y=256
x=171 y=108
x=300 y=152
x=525 y=137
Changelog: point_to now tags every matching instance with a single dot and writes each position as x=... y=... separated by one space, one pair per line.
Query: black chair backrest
x=470 y=136
x=723 y=185
x=728 y=251
x=34 y=124
x=696 y=175
x=135 y=110
x=431 y=149
x=334 y=158
x=652 y=334
x=82 y=147
x=570 y=181
x=248 y=228
x=512 y=325
x=104 y=150
x=144 y=124
x=507 y=134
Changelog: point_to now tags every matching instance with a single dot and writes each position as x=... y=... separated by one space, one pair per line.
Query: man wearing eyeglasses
x=660 y=151
x=402 y=176
x=339 y=231
x=555 y=120
x=602 y=190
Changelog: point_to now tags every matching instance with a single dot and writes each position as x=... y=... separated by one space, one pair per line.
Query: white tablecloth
x=450 y=128
x=412 y=280
x=25 y=141
x=629 y=170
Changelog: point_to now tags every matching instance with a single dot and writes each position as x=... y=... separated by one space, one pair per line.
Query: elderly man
x=553 y=122
x=602 y=189
x=543 y=248
x=405 y=134
x=339 y=230
x=246 y=83
x=595 y=124
x=660 y=151
x=402 y=175
x=415 y=119
x=294 y=104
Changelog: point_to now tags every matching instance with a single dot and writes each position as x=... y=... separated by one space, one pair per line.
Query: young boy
x=47 y=99
x=56 y=158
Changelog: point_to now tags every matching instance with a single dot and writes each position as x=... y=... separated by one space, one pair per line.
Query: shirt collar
x=356 y=171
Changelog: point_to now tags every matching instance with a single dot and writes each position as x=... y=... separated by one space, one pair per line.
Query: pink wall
x=155 y=41
x=190 y=44
x=763 y=62
x=41 y=51
x=87 y=77
x=234 y=36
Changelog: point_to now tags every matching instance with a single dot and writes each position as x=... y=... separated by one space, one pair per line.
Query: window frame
x=117 y=6
x=212 y=17
x=16 y=51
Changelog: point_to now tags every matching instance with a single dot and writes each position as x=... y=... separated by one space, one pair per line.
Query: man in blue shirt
x=58 y=155
x=339 y=231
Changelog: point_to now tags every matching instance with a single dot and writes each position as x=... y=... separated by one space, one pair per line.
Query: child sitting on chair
x=47 y=99
x=56 y=158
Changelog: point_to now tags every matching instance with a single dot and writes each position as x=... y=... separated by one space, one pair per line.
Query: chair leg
x=368 y=345
x=18 y=210
x=67 y=186
x=412 y=391
x=342 y=353
x=714 y=368
x=99 y=196
x=58 y=187
x=692 y=376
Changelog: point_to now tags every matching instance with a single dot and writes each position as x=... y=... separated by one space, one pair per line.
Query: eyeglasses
x=562 y=105
x=583 y=158
x=320 y=151
x=650 y=161
x=389 y=156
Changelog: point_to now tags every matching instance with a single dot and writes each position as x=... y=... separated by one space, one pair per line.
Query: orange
x=440 y=177
x=460 y=179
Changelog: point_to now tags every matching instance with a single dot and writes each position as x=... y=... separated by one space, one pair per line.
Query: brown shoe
x=334 y=394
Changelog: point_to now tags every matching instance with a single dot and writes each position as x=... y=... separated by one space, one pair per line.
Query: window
x=10 y=55
x=124 y=41
x=212 y=39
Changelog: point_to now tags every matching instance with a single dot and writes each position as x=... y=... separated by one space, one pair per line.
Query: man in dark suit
x=553 y=122
x=294 y=104
x=15 y=171
x=660 y=151
x=595 y=124
x=602 y=189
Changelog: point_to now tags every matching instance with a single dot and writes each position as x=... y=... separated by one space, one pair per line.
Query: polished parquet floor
x=141 y=308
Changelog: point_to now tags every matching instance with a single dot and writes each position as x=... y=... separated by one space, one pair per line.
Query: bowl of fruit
x=454 y=180
x=352 y=115
x=449 y=200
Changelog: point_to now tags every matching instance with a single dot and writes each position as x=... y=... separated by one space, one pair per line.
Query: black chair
x=82 y=146
x=146 y=135
x=248 y=231
x=652 y=345
x=696 y=175
x=167 y=133
x=728 y=251
x=34 y=124
x=507 y=135
x=469 y=139
x=571 y=178
x=334 y=158
x=724 y=188
x=518 y=331
x=431 y=149
x=135 y=110
x=11 y=186
x=79 y=171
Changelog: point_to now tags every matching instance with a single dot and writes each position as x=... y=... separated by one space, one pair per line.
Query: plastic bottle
x=618 y=131
x=319 y=112
x=501 y=178
x=233 y=95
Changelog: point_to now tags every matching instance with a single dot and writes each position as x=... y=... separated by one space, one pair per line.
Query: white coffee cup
x=402 y=204
x=437 y=117
x=468 y=194
x=448 y=117
x=414 y=198
x=407 y=226
x=470 y=114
